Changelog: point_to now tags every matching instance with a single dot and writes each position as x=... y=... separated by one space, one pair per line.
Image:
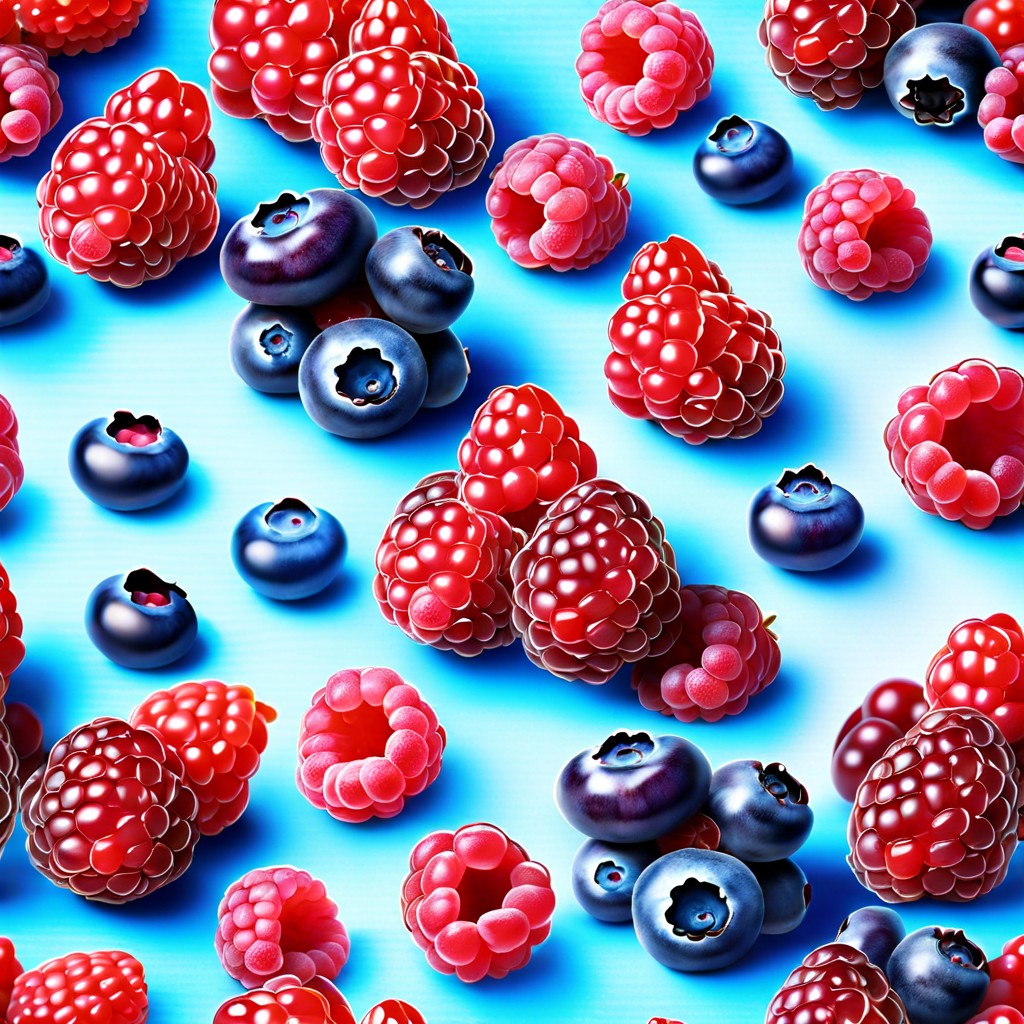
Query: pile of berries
x=71 y=27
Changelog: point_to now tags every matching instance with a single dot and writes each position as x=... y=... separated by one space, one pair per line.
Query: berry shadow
x=203 y=650
x=340 y=592
x=189 y=499
x=1005 y=526
x=38 y=680
x=792 y=194
x=26 y=512
x=934 y=287
x=54 y=319
x=867 y=559
x=171 y=904
x=235 y=843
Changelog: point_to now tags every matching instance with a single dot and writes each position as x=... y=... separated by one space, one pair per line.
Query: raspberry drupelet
x=9 y=788
x=25 y=733
x=1006 y=978
x=30 y=104
x=397 y=1011
x=71 y=27
x=674 y=261
x=12 y=647
x=412 y=25
x=1001 y=112
x=12 y=474
x=10 y=969
x=286 y=1000
x=433 y=487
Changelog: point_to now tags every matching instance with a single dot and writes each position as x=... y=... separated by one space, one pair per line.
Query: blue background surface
x=162 y=349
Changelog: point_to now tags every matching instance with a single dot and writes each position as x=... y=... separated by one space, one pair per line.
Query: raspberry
x=9 y=971
x=674 y=261
x=700 y=364
x=108 y=816
x=1001 y=112
x=393 y=1011
x=279 y=920
x=9 y=786
x=956 y=446
x=725 y=655
x=998 y=1015
x=555 y=203
x=29 y=102
x=72 y=26
x=937 y=814
x=25 y=733
x=368 y=742
x=832 y=50
x=219 y=732
x=862 y=234
x=12 y=472
x=404 y=127
x=1006 y=979
x=596 y=586
x=12 y=647
x=285 y=1000
x=412 y=25
x=82 y=988
x=475 y=902
x=433 y=487
x=522 y=453
x=697 y=833
x=354 y=303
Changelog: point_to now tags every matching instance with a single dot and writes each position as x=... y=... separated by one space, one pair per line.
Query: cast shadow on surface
x=190 y=499
x=25 y=513
x=342 y=591
x=868 y=558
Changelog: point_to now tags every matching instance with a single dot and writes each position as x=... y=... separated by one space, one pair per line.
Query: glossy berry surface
x=12 y=647
x=411 y=24
x=29 y=102
x=10 y=968
x=25 y=736
x=24 y=282
x=433 y=487
x=875 y=931
x=71 y=27
x=1001 y=112
x=1006 y=978
x=448 y=367
x=998 y=1014
x=997 y=282
x=1000 y=21
x=286 y=1000
x=393 y=1011
x=9 y=789
x=677 y=260
x=267 y=344
x=786 y=892
x=743 y=162
x=603 y=876
x=12 y=470
x=698 y=832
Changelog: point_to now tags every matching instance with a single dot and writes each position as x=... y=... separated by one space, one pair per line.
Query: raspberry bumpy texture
x=475 y=902
x=12 y=476
x=286 y=1000
x=674 y=261
x=368 y=742
x=1001 y=112
x=433 y=487
x=12 y=647
x=9 y=787
x=956 y=443
x=29 y=102
x=397 y=1011
x=642 y=63
x=10 y=969
x=72 y=26
x=412 y=25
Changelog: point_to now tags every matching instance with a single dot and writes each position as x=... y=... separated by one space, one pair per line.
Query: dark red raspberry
x=29 y=102
x=596 y=586
x=832 y=50
x=25 y=732
x=354 y=303
x=725 y=654
x=998 y=1014
x=412 y=25
x=219 y=732
x=10 y=30
x=12 y=647
x=9 y=787
x=1001 y=112
x=433 y=487
x=279 y=921
x=522 y=453
x=73 y=26
x=674 y=261
x=285 y=1000
x=9 y=971
x=664 y=1020
x=12 y=471
x=555 y=203
x=108 y=816
x=700 y=364
x=937 y=814
x=956 y=443
x=862 y=234
x=475 y=902
x=404 y=127
x=393 y=1011
x=697 y=833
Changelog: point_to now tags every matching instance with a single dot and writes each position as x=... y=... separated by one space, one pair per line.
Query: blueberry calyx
x=281 y=215
x=625 y=750
x=366 y=377
x=933 y=100
x=732 y=135
x=9 y=245
x=805 y=485
x=291 y=517
x=958 y=949
x=776 y=780
x=1011 y=249
x=134 y=431
x=699 y=910
x=443 y=251
x=610 y=876
x=276 y=340
x=149 y=590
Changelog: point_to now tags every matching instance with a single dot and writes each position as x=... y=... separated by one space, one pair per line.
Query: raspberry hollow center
x=482 y=890
x=983 y=434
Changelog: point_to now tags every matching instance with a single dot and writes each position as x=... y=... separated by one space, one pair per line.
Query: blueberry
x=267 y=343
x=288 y=550
x=742 y=162
x=363 y=378
x=786 y=892
x=298 y=250
x=697 y=910
x=997 y=283
x=127 y=462
x=634 y=787
x=875 y=931
x=940 y=975
x=805 y=522
x=603 y=876
x=24 y=283
x=140 y=620
x=447 y=367
x=420 y=278
x=761 y=810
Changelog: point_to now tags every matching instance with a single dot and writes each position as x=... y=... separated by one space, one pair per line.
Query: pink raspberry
x=1001 y=112
x=72 y=26
x=642 y=63
x=29 y=102
x=674 y=261
x=555 y=203
x=279 y=921
x=863 y=234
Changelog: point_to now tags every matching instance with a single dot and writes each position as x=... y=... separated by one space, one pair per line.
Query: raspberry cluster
x=12 y=471
x=286 y=1000
x=71 y=27
x=1001 y=112
x=9 y=786
x=10 y=968
x=29 y=102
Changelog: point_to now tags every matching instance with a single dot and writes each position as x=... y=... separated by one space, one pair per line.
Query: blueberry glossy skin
x=697 y=910
x=786 y=892
x=363 y=378
x=805 y=522
x=298 y=249
x=743 y=162
x=122 y=476
x=447 y=367
x=24 y=282
x=288 y=550
x=633 y=787
x=875 y=931
x=135 y=633
x=267 y=344
x=997 y=284
x=604 y=874
x=761 y=810
x=420 y=278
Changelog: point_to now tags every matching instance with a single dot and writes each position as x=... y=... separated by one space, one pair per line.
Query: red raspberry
x=1000 y=21
x=73 y=26
x=725 y=655
x=475 y=902
x=404 y=127
x=700 y=364
x=12 y=472
x=555 y=203
x=285 y=1000
x=9 y=971
x=937 y=814
x=863 y=234
x=674 y=261
x=522 y=453
x=664 y=1020
x=12 y=647
x=971 y=415
x=412 y=25
x=1001 y=112
x=642 y=63
x=1006 y=978
x=832 y=50
x=279 y=921
x=433 y=487
x=393 y=1011
x=10 y=30
x=25 y=733
x=998 y=1015
x=696 y=833
x=596 y=586
x=355 y=303
x=219 y=732
x=9 y=786
x=108 y=816
x=29 y=102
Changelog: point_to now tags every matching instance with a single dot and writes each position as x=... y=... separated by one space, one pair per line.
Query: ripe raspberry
x=12 y=647
x=998 y=1014
x=700 y=364
x=9 y=971
x=555 y=203
x=355 y=303
x=832 y=50
x=1006 y=978
x=72 y=26
x=433 y=487
x=12 y=472
x=279 y=921
x=285 y=1000
x=674 y=261
x=25 y=733
x=368 y=742
x=475 y=902
x=955 y=444
x=9 y=786
x=725 y=654
x=863 y=234
x=29 y=102
x=404 y=127
x=697 y=833
x=937 y=814
x=108 y=816
x=522 y=453
x=1001 y=112
x=10 y=30
x=412 y=25
x=596 y=586
x=393 y=1011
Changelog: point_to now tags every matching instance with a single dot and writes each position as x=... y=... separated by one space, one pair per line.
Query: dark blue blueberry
x=803 y=521
x=268 y=343
x=127 y=462
x=447 y=367
x=997 y=283
x=420 y=278
x=634 y=787
x=24 y=283
x=786 y=892
x=875 y=931
x=363 y=378
x=603 y=876
x=743 y=162
x=697 y=910
x=140 y=620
